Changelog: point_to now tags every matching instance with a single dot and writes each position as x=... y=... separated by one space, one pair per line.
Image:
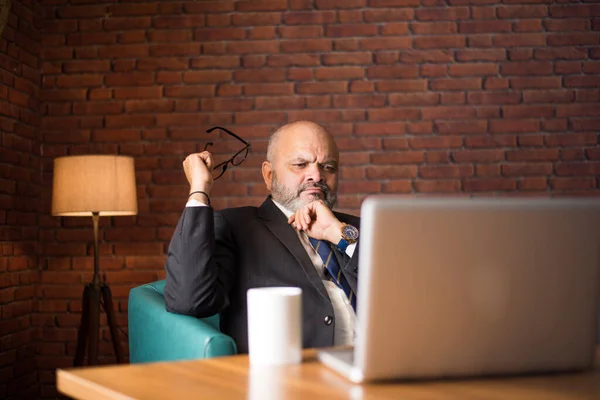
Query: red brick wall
x=20 y=187
x=423 y=96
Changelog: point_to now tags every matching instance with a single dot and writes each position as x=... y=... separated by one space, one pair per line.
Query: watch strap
x=342 y=245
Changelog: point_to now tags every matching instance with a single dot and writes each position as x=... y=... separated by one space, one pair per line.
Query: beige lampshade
x=94 y=183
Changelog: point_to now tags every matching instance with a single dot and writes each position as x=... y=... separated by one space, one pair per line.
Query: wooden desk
x=230 y=378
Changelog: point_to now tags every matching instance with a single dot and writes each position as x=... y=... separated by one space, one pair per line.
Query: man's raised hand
x=318 y=221
x=197 y=168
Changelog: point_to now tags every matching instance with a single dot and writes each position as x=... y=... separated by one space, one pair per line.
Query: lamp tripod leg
x=94 y=323
x=112 y=322
x=82 y=334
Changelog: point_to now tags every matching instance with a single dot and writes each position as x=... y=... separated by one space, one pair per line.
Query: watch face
x=350 y=232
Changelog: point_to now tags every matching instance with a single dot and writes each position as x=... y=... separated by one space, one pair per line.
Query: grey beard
x=291 y=199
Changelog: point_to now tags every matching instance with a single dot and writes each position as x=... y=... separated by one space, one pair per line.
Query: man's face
x=305 y=169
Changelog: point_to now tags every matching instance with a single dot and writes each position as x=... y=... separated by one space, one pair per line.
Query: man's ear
x=267 y=173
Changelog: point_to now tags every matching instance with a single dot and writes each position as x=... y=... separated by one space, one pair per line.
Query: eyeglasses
x=237 y=159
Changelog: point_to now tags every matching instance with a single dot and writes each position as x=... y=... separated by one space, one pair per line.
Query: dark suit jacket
x=215 y=257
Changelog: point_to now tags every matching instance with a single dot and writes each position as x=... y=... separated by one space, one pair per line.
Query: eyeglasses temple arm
x=229 y=132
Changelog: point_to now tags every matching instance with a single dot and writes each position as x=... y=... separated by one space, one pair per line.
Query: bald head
x=295 y=130
x=302 y=165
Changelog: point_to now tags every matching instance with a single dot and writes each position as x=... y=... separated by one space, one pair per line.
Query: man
x=215 y=257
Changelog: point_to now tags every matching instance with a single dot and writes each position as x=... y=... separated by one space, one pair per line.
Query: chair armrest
x=158 y=335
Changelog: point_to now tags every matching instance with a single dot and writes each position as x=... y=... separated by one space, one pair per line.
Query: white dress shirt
x=344 y=315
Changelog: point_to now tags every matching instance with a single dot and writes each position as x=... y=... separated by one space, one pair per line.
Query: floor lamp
x=94 y=186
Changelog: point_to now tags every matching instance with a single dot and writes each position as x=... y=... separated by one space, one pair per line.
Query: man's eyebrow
x=300 y=157
x=330 y=161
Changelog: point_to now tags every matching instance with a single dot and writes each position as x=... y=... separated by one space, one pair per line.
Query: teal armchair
x=158 y=335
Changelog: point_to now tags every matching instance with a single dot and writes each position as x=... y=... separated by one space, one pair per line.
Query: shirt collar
x=284 y=210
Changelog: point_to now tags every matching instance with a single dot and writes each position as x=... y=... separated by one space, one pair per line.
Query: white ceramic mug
x=274 y=325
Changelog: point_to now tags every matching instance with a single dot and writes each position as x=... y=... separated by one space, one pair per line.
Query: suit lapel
x=276 y=222
x=350 y=269
x=351 y=277
x=347 y=269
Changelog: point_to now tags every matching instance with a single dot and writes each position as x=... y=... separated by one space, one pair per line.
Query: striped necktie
x=333 y=269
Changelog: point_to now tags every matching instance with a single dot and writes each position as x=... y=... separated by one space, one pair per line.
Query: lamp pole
x=96 y=279
x=94 y=300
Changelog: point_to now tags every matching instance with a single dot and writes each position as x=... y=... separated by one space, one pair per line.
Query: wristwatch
x=349 y=235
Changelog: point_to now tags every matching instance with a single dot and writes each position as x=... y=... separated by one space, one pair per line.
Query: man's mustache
x=324 y=188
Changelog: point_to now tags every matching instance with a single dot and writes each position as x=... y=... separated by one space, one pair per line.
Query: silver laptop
x=468 y=287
